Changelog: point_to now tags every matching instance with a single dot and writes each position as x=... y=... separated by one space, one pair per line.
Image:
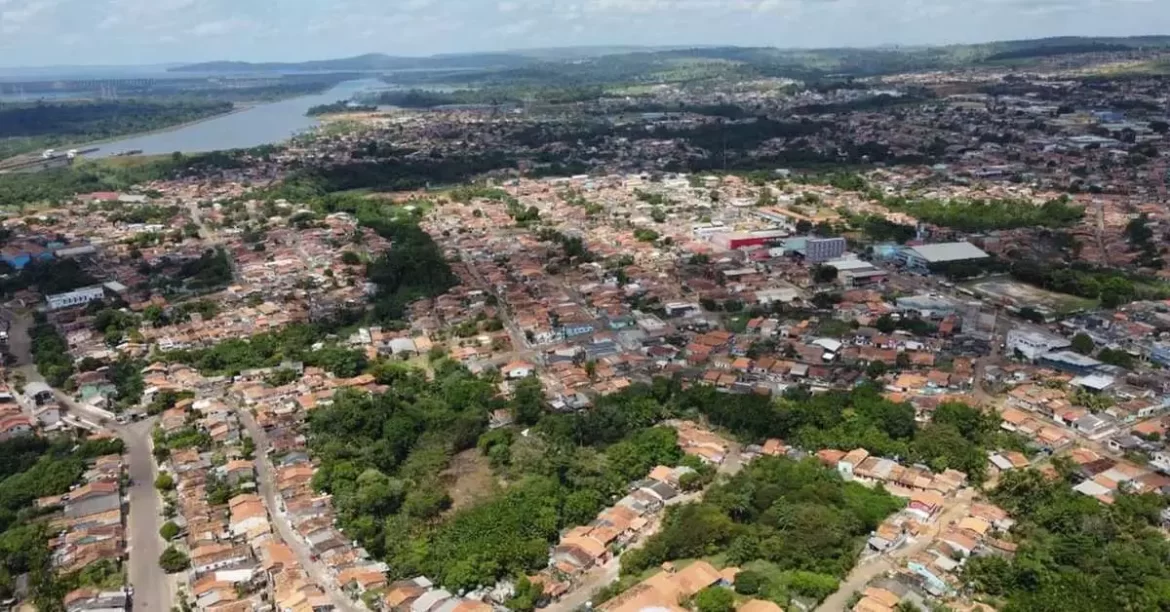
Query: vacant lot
x=468 y=478
x=1007 y=290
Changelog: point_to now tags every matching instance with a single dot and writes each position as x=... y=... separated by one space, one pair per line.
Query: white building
x=49 y=415
x=1033 y=344
x=77 y=297
x=517 y=370
x=923 y=256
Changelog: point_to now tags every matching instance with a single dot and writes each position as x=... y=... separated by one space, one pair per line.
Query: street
x=603 y=576
x=863 y=573
x=151 y=585
x=143 y=543
x=520 y=349
x=265 y=475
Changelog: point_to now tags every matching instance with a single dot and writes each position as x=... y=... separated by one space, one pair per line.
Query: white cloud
x=145 y=31
x=518 y=27
x=25 y=13
x=221 y=27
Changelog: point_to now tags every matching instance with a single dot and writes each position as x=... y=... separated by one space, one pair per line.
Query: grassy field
x=123 y=161
x=1004 y=289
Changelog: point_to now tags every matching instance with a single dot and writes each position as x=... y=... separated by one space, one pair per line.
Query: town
x=463 y=359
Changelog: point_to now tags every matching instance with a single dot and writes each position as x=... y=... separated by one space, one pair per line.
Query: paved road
x=605 y=575
x=875 y=567
x=151 y=585
x=519 y=341
x=265 y=472
x=999 y=333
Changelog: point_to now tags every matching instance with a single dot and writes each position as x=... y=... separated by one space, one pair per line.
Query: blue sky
x=89 y=32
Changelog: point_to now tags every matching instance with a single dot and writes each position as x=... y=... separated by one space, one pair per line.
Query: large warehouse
x=922 y=257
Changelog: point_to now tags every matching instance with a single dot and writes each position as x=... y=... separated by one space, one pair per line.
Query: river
x=258 y=125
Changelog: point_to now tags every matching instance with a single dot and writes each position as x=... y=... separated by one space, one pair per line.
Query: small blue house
x=17 y=257
x=573 y=330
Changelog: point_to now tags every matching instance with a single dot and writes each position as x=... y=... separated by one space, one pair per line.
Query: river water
x=259 y=125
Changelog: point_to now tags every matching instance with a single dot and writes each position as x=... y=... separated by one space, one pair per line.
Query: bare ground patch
x=468 y=478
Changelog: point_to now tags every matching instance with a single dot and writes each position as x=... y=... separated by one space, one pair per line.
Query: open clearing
x=1005 y=289
x=468 y=478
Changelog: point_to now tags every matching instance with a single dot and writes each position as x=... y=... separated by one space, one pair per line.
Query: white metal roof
x=948 y=251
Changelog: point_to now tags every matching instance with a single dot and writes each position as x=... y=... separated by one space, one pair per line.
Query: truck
x=48 y=154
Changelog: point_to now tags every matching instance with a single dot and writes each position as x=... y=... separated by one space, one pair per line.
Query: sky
x=122 y=32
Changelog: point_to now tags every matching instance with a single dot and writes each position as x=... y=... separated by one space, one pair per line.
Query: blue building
x=573 y=330
x=1160 y=354
x=601 y=348
x=1069 y=361
x=622 y=322
x=17 y=257
x=1109 y=116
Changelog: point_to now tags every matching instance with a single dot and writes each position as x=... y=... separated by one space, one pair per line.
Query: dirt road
x=864 y=573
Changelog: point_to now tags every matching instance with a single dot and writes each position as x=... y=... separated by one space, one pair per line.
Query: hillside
x=370 y=62
x=578 y=63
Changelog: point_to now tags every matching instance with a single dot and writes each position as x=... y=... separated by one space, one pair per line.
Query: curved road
x=143 y=543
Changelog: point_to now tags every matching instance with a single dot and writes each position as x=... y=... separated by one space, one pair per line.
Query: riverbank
x=245 y=126
x=33 y=152
x=236 y=109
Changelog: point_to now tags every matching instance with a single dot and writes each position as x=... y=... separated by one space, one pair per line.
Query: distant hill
x=371 y=62
x=762 y=60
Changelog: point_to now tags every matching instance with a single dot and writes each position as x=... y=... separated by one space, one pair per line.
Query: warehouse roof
x=948 y=251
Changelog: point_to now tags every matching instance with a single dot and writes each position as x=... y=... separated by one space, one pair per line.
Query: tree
x=1055 y=525
x=1028 y=313
x=169 y=530
x=1083 y=344
x=582 y=506
x=715 y=599
x=1116 y=291
x=690 y=481
x=824 y=274
x=1138 y=231
x=645 y=235
x=811 y=584
x=426 y=504
x=528 y=401
x=971 y=422
x=902 y=361
x=526 y=596
x=173 y=560
x=886 y=324
x=164 y=482
x=876 y=369
x=943 y=446
x=748 y=582
x=153 y=314
x=826 y=300
x=1117 y=357
x=350 y=258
